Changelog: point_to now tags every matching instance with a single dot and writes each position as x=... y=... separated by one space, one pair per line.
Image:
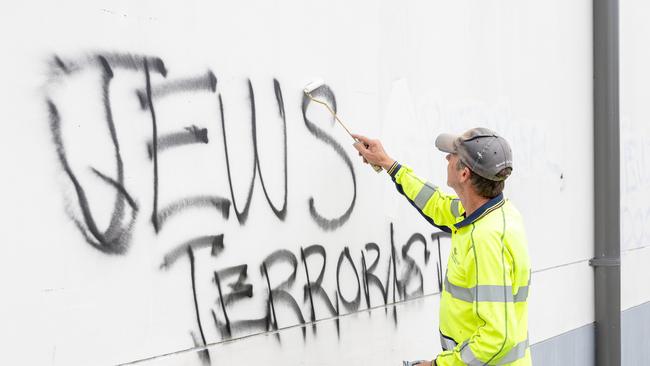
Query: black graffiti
x=279 y=293
x=220 y=204
x=238 y=290
x=233 y=284
x=223 y=302
x=393 y=257
x=154 y=148
x=60 y=65
x=327 y=95
x=282 y=212
x=118 y=208
x=115 y=239
x=209 y=241
x=123 y=61
x=204 y=355
x=436 y=237
x=370 y=278
x=207 y=82
x=411 y=268
x=315 y=288
x=191 y=135
x=278 y=307
x=350 y=305
x=242 y=215
x=190 y=255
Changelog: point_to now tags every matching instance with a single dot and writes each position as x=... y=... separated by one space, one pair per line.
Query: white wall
x=635 y=153
x=401 y=72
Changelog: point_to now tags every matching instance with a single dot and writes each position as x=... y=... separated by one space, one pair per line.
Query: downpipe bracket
x=605 y=262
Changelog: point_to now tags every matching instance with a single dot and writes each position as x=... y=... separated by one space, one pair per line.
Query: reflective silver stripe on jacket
x=522 y=294
x=494 y=293
x=454 y=207
x=424 y=195
x=447 y=343
x=517 y=352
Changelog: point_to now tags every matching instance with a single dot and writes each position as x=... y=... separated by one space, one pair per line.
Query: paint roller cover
x=315 y=84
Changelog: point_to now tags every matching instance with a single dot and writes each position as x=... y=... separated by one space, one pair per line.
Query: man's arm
x=439 y=209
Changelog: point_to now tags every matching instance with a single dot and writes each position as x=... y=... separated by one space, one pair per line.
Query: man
x=483 y=305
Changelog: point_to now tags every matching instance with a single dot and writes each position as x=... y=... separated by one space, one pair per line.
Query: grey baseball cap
x=481 y=149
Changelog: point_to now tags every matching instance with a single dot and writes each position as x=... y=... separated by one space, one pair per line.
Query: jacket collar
x=485 y=209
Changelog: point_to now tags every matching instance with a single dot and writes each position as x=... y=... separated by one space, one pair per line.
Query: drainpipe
x=607 y=248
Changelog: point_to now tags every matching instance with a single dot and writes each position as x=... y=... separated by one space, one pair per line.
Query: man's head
x=479 y=158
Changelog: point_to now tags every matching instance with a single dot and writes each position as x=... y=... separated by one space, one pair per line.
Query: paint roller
x=310 y=88
x=412 y=363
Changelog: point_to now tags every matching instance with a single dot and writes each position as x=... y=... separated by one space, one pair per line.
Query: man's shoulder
x=504 y=217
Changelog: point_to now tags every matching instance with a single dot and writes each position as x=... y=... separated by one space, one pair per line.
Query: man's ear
x=465 y=175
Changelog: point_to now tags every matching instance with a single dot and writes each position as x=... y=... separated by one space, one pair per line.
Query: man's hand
x=425 y=363
x=373 y=152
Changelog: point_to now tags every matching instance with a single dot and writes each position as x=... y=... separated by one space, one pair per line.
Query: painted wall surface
x=168 y=186
x=635 y=153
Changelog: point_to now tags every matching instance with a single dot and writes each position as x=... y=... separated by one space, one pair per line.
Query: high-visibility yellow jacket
x=483 y=305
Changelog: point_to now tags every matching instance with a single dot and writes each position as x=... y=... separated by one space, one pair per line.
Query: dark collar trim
x=485 y=209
